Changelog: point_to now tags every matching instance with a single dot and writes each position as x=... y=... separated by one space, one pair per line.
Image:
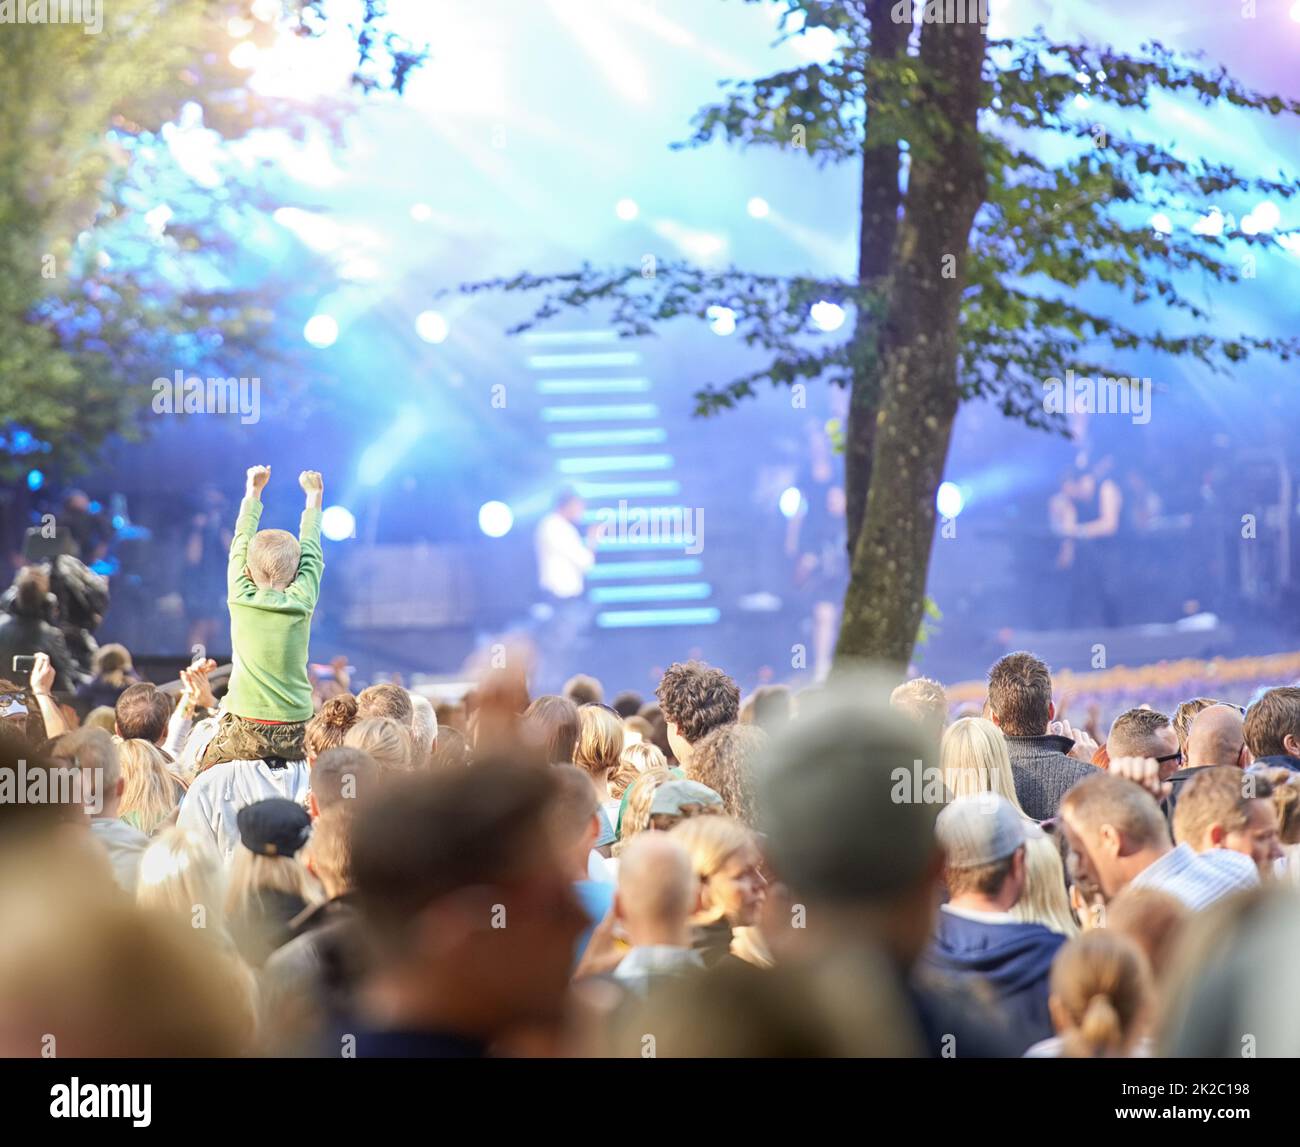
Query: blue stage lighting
x=495 y=519
x=950 y=500
x=791 y=500
x=35 y=479
x=337 y=523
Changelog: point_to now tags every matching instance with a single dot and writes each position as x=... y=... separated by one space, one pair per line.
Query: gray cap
x=670 y=797
x=979 y=829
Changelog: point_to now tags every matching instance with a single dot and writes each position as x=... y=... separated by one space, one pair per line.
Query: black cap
x=275 y=827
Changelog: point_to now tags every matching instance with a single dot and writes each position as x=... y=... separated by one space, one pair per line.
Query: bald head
x=656 y=890
x=1217 y=737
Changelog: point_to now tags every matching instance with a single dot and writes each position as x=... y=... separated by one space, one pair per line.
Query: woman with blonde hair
x=151 y=793
x=180 y=873
x=599 y=750
x=636 y=807
x=387 y=741
x=1099 y=1000
x=637 y=758
x=724 y=853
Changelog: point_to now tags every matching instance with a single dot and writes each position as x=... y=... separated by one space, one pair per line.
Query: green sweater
x=270 y=628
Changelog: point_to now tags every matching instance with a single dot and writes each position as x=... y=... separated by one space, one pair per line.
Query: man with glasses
x=1145 y=733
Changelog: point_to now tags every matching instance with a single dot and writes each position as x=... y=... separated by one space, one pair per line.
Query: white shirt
x=562 y=556
x=216 y=796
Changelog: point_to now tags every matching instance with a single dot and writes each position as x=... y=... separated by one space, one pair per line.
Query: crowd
x=290 y=868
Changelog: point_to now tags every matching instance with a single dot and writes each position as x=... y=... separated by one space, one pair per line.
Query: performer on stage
x=1087 y=513
x=563 y=559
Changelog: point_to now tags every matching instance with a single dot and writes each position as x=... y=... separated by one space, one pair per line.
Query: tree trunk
x=877 y=228
x=918 y=349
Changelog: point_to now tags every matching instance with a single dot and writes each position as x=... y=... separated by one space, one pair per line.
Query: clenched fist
x=311 y=481
x=258 y=476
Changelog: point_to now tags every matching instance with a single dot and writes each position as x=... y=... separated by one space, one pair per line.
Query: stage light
x=421 y=212
x=758 y=207
x=244 y=55
x=722 y=320
x=337 y=523
x=431 y=326
x=495 y=519
x=827 y=316
x=321 y=331
x=239 y=27
x=627 y=209
x=791 y=500
x=949 y=501
x=35 y=479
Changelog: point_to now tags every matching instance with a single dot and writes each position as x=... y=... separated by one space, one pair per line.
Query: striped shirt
x=1198 y=879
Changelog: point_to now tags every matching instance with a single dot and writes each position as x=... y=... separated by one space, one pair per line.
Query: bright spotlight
x=244 y=55
x=495 y=519
x=337 y=523
x=949 y=501
x=35 y=479
x=627 y=209
x=321 y=330
x=791 y=500
x=758 y=207
x=826 y=316
x=239 y=27
x=722 y=320
x=431 y=326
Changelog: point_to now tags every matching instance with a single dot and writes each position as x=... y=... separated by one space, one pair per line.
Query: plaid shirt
x=1199 y=878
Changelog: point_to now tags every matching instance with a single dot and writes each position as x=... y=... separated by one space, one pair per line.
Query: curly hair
x=724 y=760
x=698 y=698
x=330 y=725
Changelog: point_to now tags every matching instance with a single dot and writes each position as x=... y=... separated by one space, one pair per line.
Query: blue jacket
x=1014 y=961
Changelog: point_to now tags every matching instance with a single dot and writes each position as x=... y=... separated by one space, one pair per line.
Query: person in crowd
x=599 y=751
x=142 y=713
x=424 y=730
x=977 y=939
x=181 y=874
x=386 y=741
x=385 y=700
x=723 y=761
x=437 y=857
x=637 y=801
x=866 y=870
x=113 y=672
x=311 y=980
x=1183 y=717
x=1020 y=704
x=151 y=793
x=1155 y=922
x=695 y=699
x=328 y=729
x=268 y=886
x=552 y=722
x=1215 y=738
x=658 y=892
x=638 y=729
x=577 y=827
x=28 y=628
x=729 y=868
x=93 y=753
x=637 y=758
x=101 y=717
x=1118 y=837
x=340 y=775
x=273 y=580
x=1224 y=807
x=924 y=700
x=584 y=690
x=1100 y=1000
x=628 y=704
x=658 y=736
x=1145 y=733
x=1272 y=728
x=769 y=707
x=450 y=749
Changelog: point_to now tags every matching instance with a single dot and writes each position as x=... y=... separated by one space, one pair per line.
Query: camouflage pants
x=242 y=739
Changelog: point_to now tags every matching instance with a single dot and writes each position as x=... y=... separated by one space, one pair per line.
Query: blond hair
x=640 y=795
x=1044 y=899
x=387 y=741
x=637 y=758
x=112 y=664
x=273 y=557
x=1099 y=985
x=600 y=741
x=974 y=757
x=924 y=701
x=330 y=849
x=251 y=874
x=150 y=792
x=179 y=873
x=711 y=841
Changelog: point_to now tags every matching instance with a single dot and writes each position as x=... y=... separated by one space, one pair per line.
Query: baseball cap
x=979 y=829
x=669 y=798
x=274 y=827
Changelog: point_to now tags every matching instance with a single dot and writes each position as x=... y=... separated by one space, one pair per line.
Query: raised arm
x=238 y=582
x=311 y=563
